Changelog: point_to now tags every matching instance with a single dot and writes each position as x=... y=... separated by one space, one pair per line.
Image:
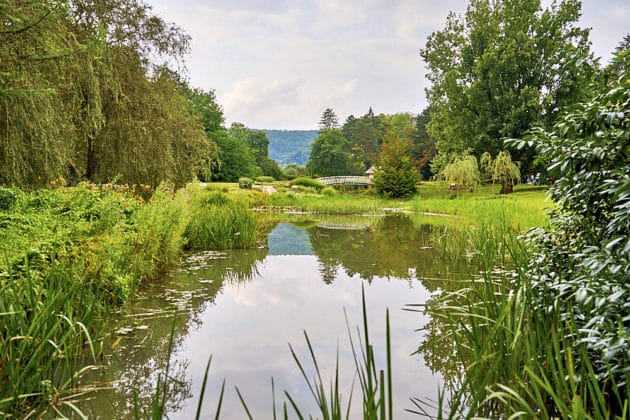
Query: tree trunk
x=506 y=187
x=90 y=169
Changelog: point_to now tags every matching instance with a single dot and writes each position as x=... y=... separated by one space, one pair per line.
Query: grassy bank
x=69 y=255
x=526 y=207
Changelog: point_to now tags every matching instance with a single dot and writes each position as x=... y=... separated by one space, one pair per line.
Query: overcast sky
x=278 y=64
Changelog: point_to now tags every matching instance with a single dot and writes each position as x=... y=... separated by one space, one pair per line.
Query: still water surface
x=244 y=308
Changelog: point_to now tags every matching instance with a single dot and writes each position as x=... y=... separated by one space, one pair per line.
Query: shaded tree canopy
x=329 y=154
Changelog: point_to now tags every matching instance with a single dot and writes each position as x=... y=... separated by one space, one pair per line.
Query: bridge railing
x=345 y=180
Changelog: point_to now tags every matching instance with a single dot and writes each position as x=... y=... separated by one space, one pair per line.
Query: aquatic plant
x=218 y=222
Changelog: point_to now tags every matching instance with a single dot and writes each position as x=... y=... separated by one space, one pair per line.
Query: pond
x=243 y=308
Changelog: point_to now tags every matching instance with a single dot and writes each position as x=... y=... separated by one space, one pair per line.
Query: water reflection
x=243 y=307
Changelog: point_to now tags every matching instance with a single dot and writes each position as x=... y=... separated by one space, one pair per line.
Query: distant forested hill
x=290 y=146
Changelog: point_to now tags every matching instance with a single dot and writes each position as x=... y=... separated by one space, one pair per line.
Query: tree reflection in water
x=394 y=247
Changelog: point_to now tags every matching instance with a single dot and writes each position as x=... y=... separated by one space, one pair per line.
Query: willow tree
x=501 y=69
x=36 y=48
x=120 y=121
x=463 y=172
x=83 y=91
x=505 y=172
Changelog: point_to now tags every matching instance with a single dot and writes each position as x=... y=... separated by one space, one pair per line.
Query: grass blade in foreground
x=375 y=387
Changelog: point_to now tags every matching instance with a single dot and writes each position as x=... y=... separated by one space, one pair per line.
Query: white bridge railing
x=345 y=180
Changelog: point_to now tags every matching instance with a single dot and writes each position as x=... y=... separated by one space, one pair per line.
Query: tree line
x=93 y=90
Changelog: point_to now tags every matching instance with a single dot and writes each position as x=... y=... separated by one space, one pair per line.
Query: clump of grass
x=329 y=191
x=47 y=324
x=308 y=182
x=218 y=222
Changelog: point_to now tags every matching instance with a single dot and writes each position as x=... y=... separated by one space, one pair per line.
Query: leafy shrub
x=245 y=183
x=265 y=179
x=8 y=198
x=329 y=191
x=308 y=182
x=291 y=173
x=580 y=269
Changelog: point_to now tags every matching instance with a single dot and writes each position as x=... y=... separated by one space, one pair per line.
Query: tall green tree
x=236 y=158
x=329 y=120
x=133 y=39
x=329 y=154
x=424 y=148
x=501 y=69
x=259 y=143
x=363 y=140
x=396 y=175
x=205 y=106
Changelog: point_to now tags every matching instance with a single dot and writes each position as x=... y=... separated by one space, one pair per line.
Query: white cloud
x=279 y=63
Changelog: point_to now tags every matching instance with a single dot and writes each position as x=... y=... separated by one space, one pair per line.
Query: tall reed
x=513 y=361
x=375 y=384
x=219 y=222
x=47 y=325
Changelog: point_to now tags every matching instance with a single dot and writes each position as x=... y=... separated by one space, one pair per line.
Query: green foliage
x=308 y=182
x=244 y=182
x=550 y=340
x=205 y=106
x=505 y=172
x=84 y=97
x=424 y=148
x=9 y=198
x=236 y=158
x=501 y=69
x=463 y=172
x=265 y=179
x=580 y=265
x=486 y=166
x=362 y=135
x=329 y=154
x=395 y=176
x=217 y=222
x=291 y=173
x=329 y=191
x=69 y=256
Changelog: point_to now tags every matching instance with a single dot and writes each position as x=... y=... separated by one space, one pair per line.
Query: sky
x=278 y=64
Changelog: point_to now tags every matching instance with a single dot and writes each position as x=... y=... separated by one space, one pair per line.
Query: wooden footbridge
x=346 y=180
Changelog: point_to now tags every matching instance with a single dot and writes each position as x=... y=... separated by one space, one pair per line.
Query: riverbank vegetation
x=550 y=340
x=69 y=255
